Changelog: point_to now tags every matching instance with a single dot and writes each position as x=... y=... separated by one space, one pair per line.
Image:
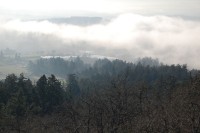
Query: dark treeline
x=145 y=69
x=57 y=66
x=108 y=97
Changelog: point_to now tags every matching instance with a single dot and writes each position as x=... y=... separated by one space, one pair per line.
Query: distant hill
x=77 y=20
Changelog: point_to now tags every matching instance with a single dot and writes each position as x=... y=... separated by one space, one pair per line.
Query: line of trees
x=57 y=66
x=110 y=96
x=146 y=69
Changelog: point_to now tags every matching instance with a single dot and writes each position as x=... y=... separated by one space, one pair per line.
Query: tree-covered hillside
x=108 y=96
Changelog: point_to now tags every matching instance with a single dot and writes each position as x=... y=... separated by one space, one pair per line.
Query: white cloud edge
x=171 y=39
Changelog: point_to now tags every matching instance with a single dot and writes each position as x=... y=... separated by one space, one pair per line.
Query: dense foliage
x=109 y=96
x=146 y=69
x=57 y=66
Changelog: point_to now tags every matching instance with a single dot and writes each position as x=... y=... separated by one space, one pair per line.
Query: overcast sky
x=188 y=8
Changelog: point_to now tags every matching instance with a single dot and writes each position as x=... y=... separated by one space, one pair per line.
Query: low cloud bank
x=170 y=39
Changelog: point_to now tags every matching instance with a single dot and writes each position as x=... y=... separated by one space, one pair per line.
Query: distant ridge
x=77 y=20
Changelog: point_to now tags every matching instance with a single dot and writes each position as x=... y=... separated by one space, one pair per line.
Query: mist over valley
x=100 y=66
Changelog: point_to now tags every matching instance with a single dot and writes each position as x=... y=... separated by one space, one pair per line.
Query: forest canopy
x=107 y=96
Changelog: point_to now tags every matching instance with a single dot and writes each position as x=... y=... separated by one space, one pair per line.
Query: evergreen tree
x=55 y=94
x=16 y=108
x=41 y=89
x=50 y=92
x=73 y=87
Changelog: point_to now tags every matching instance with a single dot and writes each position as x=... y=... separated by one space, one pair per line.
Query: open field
x=9 y=69
x=10 y=66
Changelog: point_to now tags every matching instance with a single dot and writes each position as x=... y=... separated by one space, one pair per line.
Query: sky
x=165 y=29
x=100 y=7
